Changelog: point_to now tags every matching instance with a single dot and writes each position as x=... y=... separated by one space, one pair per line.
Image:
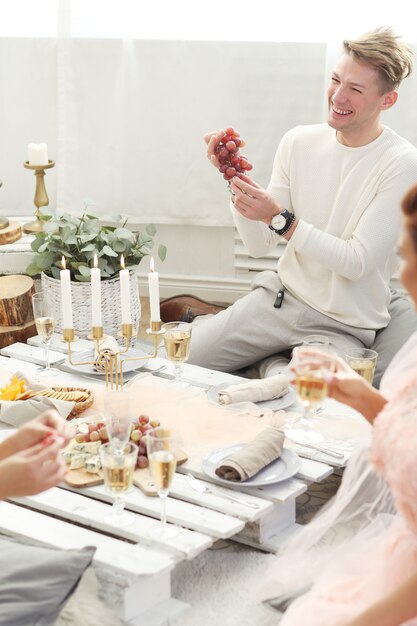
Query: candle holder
x=113 y=362
x=41 y=197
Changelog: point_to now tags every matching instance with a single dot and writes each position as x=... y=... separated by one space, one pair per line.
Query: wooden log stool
x=16 y=313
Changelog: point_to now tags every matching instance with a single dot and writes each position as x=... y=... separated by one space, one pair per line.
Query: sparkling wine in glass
x=118 y=414
x=311 y=368
x=45 y=325
x=363 y=362
x=321 y=342
x=177 y=338
x=118 y=468
x=162 y=455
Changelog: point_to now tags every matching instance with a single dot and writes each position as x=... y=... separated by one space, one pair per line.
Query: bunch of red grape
x=97 y=431
x=232 y=162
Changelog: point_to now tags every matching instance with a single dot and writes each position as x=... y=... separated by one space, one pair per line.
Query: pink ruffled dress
x=370 y=565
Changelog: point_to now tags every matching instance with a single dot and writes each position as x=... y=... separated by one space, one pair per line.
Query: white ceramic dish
x=283 y=468
x=90 y=370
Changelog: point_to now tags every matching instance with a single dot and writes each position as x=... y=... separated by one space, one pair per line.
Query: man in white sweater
x=335 y=197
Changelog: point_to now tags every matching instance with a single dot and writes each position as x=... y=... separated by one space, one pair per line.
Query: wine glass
x=316 y=341
x=118 y=414
x=118 y=468
x=162 y=455
x=43 y=312
x=311 y=368
x=363 y=362
x=177 y=338
x=321 y=342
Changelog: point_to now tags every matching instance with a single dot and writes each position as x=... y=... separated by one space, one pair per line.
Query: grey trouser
x=252 y=329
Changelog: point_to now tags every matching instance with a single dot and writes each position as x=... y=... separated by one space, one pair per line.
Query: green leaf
x=124 y=233
x=33 y=269
x=88 y=248
x=162 y=251
x=81 y=279
x=151 y=230
x=84 y=270
x=108 y=251
x=119 y=246
x=55 y=271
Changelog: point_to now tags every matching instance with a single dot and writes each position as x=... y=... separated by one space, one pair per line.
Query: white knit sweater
x=341 y=256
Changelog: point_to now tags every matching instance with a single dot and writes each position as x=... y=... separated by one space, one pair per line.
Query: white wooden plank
x=89 y=512
x=279 y=492
x=127 y=558
x=218 y=500
x=274 y=542
x=181 y=513
x=313 y=470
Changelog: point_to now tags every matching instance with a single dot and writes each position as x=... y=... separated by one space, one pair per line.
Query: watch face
x=278 y=221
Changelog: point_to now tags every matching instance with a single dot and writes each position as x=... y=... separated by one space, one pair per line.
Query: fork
x=197 y=485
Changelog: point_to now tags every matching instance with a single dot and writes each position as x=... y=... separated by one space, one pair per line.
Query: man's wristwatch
x=282 y=222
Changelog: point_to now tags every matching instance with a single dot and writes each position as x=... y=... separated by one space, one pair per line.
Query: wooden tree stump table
x=16 y=313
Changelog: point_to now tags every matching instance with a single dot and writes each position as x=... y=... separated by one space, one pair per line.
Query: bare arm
x=395 y=609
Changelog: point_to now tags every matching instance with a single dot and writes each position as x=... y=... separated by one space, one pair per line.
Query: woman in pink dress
x=370 y=577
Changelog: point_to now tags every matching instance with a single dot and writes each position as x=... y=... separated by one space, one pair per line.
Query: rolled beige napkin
x=254 y=456
x=255 y=390
x=107 y=346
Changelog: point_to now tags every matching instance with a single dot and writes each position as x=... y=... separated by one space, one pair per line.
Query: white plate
x=278 y=403
x=128 y=366
x=283 y=468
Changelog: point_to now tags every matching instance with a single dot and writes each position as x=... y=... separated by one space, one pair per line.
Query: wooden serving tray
x=80 y=478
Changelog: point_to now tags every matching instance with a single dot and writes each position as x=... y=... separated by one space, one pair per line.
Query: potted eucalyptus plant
x=79 y=240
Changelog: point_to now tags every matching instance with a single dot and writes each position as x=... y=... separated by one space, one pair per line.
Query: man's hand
x=212 y=140
x=32 y=471
x=35 y=431
x=252 y=200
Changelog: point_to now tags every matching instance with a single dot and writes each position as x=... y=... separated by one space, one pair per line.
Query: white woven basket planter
x=81 y=304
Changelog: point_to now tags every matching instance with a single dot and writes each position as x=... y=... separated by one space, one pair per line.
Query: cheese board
x=80 y=478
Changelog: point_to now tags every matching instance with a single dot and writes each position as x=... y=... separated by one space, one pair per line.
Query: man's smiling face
x=355 y=101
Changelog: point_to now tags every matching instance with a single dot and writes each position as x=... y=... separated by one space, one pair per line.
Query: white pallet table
x=181 y=513
x=141 y=572
x=90 y=513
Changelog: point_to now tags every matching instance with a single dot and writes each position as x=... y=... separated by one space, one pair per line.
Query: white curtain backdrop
x=123 y=92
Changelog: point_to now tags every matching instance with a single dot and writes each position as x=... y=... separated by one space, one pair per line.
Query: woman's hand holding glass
x=311 y=368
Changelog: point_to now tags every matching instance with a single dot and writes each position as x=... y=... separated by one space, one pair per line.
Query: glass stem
x=163 y=509
x=177 y=372
x=118 y=506
x=47 y=366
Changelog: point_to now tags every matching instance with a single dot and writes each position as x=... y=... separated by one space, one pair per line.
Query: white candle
x=66 y=301
x=95 y=294
x=153 y=281
x=37 y=154
x=125 y=293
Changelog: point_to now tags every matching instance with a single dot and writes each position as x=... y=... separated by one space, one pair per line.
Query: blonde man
x=334 y=196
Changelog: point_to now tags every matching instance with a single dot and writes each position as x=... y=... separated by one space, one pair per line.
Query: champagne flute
x=161 y=448
x=177 y=338
x=43 y=312
x=321 y=342
x=311 y=368
x=118 y=414
x=118 y=468
x=363 y=362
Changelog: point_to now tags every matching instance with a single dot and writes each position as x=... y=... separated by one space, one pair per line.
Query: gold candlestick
x=41 y=197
